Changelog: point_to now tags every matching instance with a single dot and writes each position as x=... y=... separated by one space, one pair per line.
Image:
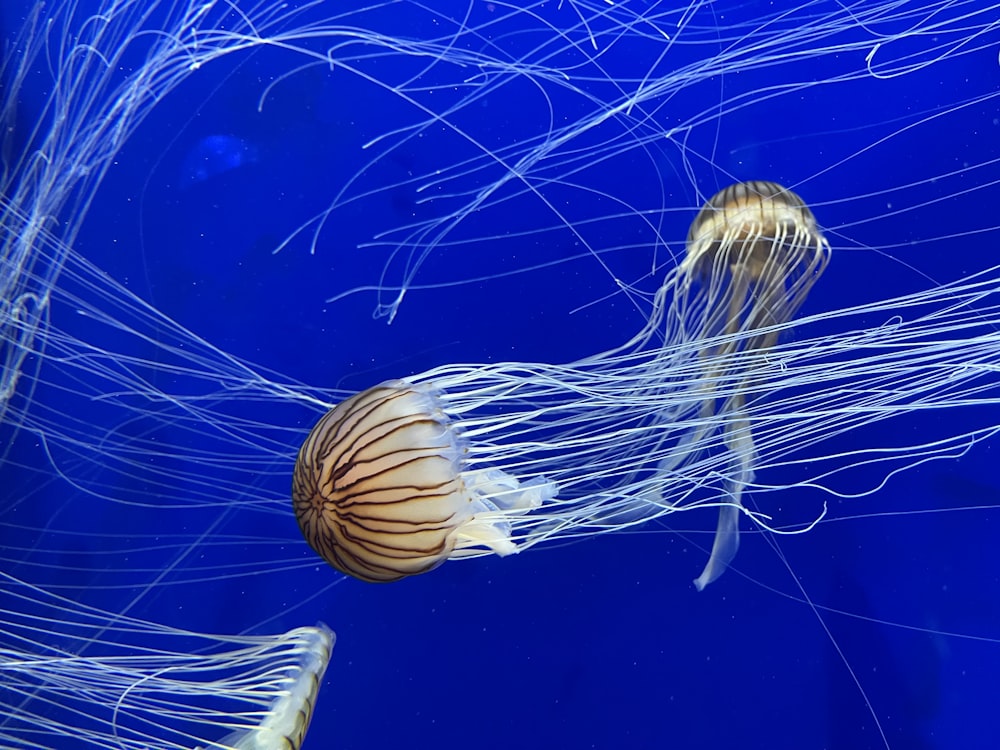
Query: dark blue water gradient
x=604 y=643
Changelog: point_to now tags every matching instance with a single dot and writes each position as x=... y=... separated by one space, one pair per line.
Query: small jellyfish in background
x=753 y=252
x=214 y=155
x=467 y=460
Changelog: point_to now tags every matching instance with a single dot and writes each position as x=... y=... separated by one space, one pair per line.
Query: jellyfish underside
x=391 y=482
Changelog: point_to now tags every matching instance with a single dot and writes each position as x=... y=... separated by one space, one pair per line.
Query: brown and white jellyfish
x=465 y=460
x=79 y=677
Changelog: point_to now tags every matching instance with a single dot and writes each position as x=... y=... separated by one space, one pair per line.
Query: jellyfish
x=146 y=685
x=756 y=250
x=140 y=395
x=409 y=473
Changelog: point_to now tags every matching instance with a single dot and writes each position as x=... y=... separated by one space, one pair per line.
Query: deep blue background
x=604 y=643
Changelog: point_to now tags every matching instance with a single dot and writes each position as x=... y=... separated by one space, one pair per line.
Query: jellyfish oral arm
x=498 y=496
x=739 y=441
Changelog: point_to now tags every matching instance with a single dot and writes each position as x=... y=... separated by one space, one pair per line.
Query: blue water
x=604 y=643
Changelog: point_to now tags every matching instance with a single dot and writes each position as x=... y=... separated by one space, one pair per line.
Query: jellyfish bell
x=756 y=250
x=379 y=491
x=81 y=677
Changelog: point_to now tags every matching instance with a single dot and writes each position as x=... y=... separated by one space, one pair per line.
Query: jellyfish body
x=754 y=251
x=152 y=686
x=465 y=460
x=287 y=719
x=379 y=490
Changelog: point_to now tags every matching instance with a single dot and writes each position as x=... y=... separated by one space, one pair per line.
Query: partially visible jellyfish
x=143 y=685
x=214 y=155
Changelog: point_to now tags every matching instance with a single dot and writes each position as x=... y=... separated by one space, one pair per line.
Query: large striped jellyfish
x=520 y=180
